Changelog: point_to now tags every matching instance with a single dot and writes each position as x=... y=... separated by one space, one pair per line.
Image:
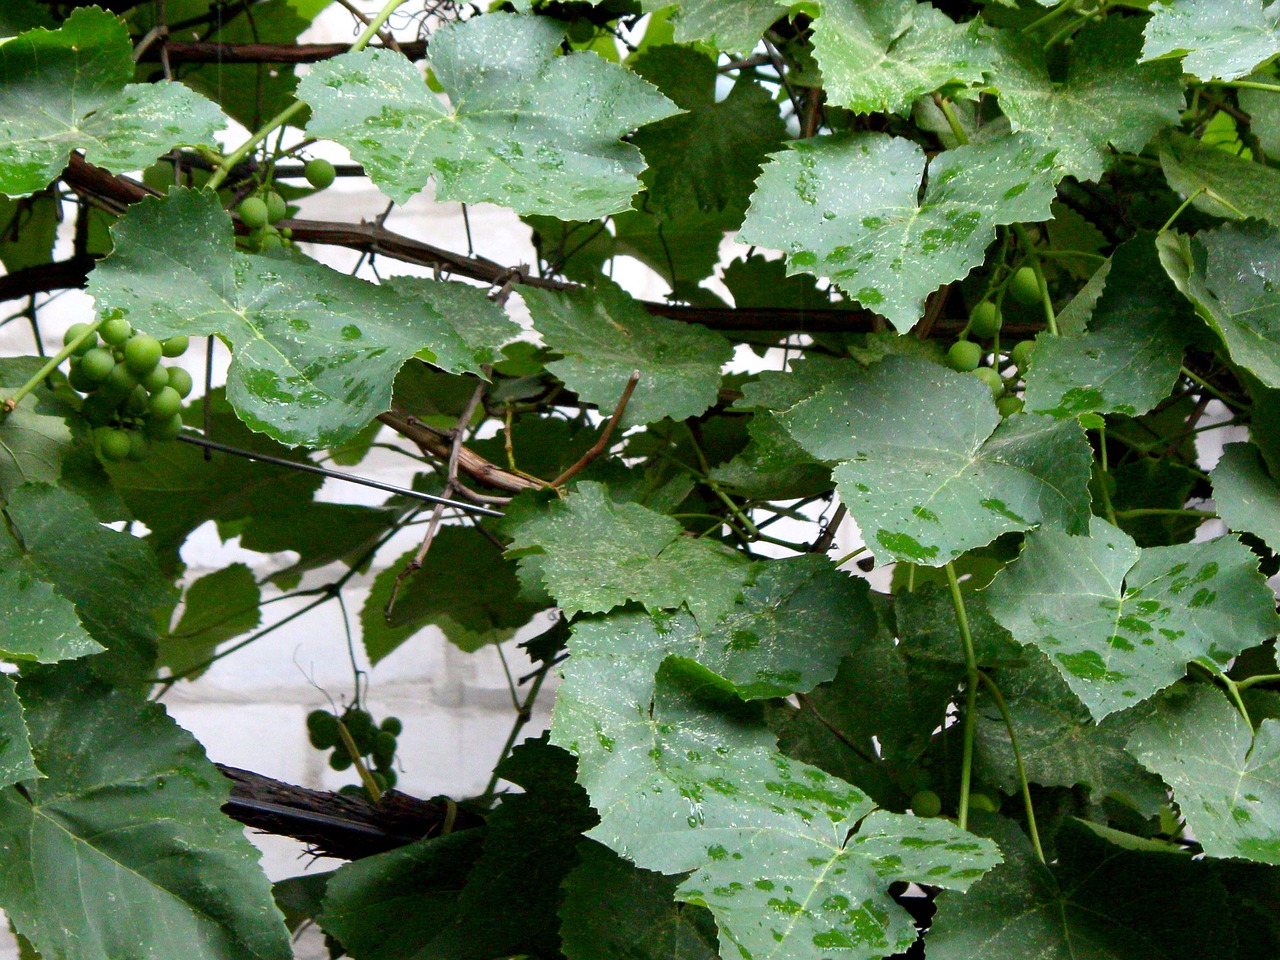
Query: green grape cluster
x=376 y=744
x=260 y=213
x=130 y=399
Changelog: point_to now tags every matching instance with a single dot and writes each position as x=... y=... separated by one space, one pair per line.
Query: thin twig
x=387 y=39
x=602 y=444
x=828 y=535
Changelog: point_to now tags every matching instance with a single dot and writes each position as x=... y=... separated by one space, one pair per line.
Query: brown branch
x=601 y=445
x=439 y=444
x=228 y=53
x=336 y=825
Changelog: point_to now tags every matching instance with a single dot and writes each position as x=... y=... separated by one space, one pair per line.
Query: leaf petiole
x=50 y=365
x=971 y=695
x=998 y=697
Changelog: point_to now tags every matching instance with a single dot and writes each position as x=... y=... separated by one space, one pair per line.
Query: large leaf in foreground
x=848 y=208
x=126 y=832
x=68 y=89
x=1225 y=777
x=686 y=778
x=533 y=131
x=16 y=761
x=1096 y=901
x=1121 y=623
x=39 y=623
x=877 y=56
x=1219 y=182
x=1232 y=275
x=605 y=335
x=1221 y=39
x=1129 y=359
x=928 y=468
x=1106 y=100
x=1247 y=497
x=315 y=351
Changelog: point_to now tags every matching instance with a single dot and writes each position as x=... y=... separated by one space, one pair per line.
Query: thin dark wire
x=336 y=475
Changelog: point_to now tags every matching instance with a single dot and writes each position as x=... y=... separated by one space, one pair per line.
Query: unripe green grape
x=340 y=759
x=926 y=803
x=964 y=355
x=139 y=446
x=983 y=803
x=984 y=320
x=319 y=173
x=991 y=378
x=270 y=240
x=1008 y=406
x=180 y=380
x=384 y=748
x=96 y=364
x=277 y=209
x=359 y=724
x=1022 y=353
x=388 y=778
x=351 y=790
x=157 y=379
x=392 y=725
x=113 y=443
x=581 y=31
x=115 y=331
x=119 y=382
x=76 y=330
x=97 y=409
x=142 y=353
x=165 y=403
x=164 y=429
x=175 y=346
x=135 y=405
x=253 y=213
x=77 y=379
x=322 y=727
x=1024 y=287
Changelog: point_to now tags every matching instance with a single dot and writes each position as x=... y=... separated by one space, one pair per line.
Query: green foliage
x=894 y=615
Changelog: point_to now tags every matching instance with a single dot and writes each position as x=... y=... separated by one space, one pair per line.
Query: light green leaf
x=1220 y=183
x=315 y=351
x=685 y=778
x=847 y=208
x=464 y=587
x=877 y=56
x=127 y=823
x=730 y=25
x=1120 y=622
x=1225 y=777
x=1232 y=275
x=16 y=761
x=68 y=89
x=593 y=554
x=1129 y=359
x=216 y=608
x=533 y=131
x=1247 y=497
x=1061 y=746
x=1221 y=39
x=614 y=909
x=1095 y=900
x=605 y=335
x=1107 y=100
x=39 y=624
x=929 y=470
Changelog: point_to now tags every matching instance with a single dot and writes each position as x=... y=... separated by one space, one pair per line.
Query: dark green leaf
x=16 y=762
x=1248 y=499
x=216 y=608
x=1220 y=183
x=39 y=623
x=525 y=128
x=1121 y=623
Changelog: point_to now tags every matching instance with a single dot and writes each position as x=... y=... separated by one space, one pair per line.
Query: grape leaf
x=111 y=577
x=1247 y=498
x=1217 y=39
x=772 y=466
x=315 y=351
x=30 y=227
x=68 y=89
x=128 y=814
x=1232 y=275
x=1220 y=183
x=877 y=56
x=731 y=25
x=1106 y=100
x=1225 y=777
x=593 y=554
x=33 y=446
x=1060 y=744
x=16 y=762
x=614 y=909
x=1095 y=901
x=217 y=607
x=685 y=779
x=464 y=587
x=39 y=623
x=605 y=335
x=847 y=207
x=1263 y=107
x=527 y=129
x=1129 y=359
x=927 y=467
x=1120 y=622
